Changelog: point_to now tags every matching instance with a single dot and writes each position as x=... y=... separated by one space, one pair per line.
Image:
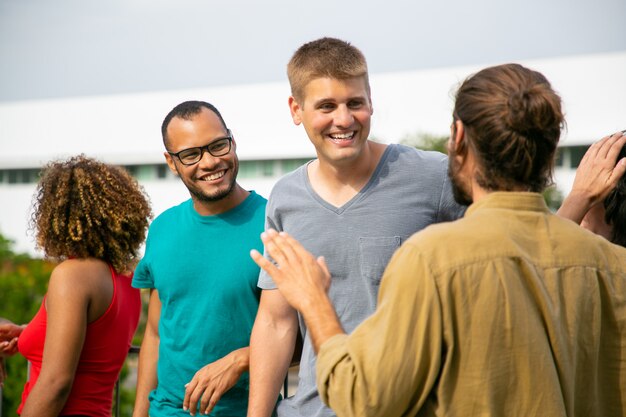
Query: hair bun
x=531 y=110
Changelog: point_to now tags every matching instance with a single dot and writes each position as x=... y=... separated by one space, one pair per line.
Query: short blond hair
x=325 y=58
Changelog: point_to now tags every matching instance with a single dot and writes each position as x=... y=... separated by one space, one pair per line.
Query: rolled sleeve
x=390 y=363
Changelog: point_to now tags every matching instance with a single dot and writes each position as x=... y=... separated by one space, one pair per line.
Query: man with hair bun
x=511 y=310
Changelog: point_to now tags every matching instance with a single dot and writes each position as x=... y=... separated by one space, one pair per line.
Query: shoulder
x=424 y=171
x=413 y=155
x=289 y=186
x=252 y=209
x=79 y=277
x=170 y=216
x=289 y=180
x=257 y=200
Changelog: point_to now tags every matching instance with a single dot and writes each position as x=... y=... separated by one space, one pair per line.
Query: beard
x=461 y=195
x=217 y=195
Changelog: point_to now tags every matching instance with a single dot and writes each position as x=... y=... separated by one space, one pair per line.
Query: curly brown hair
x=84 y=208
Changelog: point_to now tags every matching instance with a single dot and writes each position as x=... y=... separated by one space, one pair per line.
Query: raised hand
x=598 y=173
x=300 y=277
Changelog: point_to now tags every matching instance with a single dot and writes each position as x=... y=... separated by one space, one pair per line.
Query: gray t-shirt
x=408 y=191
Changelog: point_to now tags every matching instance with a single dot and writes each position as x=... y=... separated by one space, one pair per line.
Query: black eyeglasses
x=219 y=147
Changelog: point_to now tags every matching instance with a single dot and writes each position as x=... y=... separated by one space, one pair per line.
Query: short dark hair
x=513 y=121
x=615 y=208
x=186 y=110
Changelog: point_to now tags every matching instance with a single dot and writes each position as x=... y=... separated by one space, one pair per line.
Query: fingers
x=283 y=248
x=8 y=347
x=189 y=389
x=321 y=261
x=209 y=402
x=264 y=263
x=275 y=248
x=606 y=148
x=610 y=146
x=289 y=242
x=619 y=171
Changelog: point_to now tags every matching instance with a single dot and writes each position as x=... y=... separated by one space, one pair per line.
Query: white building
x=125 y=129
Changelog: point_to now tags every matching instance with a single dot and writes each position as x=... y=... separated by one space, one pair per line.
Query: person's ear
x=234 y=142
x=295 y=109
x=458 y=137
x=170 y=163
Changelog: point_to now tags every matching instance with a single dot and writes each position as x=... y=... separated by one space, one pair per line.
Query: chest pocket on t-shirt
x=375 y=254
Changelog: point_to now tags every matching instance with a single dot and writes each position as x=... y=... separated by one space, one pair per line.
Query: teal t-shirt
x=206 y=280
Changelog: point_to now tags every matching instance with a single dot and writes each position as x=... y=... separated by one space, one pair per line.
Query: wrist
x=322 y=322
x=583 y=198
x=241 y=359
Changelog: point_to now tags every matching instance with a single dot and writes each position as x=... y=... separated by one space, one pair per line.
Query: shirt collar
x=511 y=200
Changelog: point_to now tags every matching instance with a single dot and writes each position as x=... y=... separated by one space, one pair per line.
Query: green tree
x=23 y=282
x=426 y=142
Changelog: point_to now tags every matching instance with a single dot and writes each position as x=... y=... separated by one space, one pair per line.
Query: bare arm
x=148 y=357
x=598 y=173
x=303 y=280
x=212 y=381
x=271 y=349
x=67 y=305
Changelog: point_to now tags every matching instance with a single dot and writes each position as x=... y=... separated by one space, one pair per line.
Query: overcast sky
x=51 y=49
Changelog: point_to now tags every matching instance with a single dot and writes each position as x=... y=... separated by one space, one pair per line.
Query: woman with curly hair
x=92 y=218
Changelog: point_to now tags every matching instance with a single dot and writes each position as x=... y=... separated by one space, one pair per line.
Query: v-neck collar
x=361 y=194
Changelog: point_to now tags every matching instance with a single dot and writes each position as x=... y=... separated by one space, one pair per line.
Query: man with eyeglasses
x=203 y=294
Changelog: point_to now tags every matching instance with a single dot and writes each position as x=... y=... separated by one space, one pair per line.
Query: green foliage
x=426 y=142
x=23 y=282
x=553 y=198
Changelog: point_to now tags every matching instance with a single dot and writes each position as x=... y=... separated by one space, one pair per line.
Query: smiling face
x=212 y=179
x=336 y=115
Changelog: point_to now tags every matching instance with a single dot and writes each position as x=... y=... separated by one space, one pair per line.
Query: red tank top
x=106 y=345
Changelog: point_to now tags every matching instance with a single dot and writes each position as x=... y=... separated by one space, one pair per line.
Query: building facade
x=125 y=129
